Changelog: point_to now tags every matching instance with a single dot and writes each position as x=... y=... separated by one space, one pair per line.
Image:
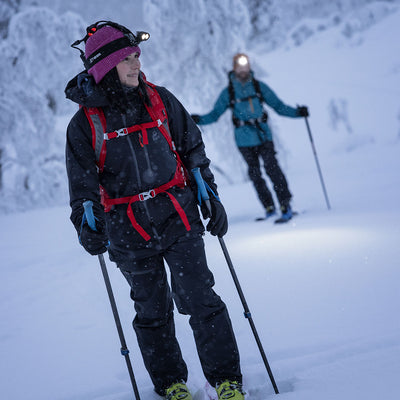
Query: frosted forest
x=190 y=53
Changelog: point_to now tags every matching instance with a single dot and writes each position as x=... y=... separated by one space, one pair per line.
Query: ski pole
x=316 y=161
x=204 y=195
x=88 y=206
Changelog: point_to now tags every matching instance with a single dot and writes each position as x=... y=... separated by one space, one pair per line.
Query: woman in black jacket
x=130 y=149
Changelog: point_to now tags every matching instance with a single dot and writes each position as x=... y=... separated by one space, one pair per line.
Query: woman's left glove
x=218 y=224
x=94 y=242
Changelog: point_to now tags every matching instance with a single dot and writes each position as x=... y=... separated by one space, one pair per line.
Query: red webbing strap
x=157 y=112
x=134 y=223
x=177 y=180
x=180 y=211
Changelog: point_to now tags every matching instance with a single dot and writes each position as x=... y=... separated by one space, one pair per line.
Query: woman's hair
x=115 y=93
x=143 y=90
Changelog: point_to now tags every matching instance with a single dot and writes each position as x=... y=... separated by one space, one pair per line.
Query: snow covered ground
x=323 y=289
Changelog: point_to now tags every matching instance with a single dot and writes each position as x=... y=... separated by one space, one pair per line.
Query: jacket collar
x=82 y=90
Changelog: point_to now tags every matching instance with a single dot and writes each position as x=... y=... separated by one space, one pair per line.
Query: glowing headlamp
x=242 y=61
x=128 y=40
x=142 y=36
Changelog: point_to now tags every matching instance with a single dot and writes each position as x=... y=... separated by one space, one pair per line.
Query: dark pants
x=266 y=152
x=191 y=283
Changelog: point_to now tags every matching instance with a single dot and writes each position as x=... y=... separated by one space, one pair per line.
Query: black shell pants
x=191 y=284
x=267 y=153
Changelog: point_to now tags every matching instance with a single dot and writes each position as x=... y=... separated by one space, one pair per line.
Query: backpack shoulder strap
x=98 y=126
x=231 y=91
x=257 y=88
x=157 y=109
x=158 y=113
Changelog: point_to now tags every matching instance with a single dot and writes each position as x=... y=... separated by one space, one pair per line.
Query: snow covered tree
x=35 y=65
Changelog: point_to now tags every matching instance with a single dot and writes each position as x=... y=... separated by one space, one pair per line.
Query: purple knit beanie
x=99 y=39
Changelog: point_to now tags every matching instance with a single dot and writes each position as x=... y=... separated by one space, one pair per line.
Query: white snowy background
x=323 y=289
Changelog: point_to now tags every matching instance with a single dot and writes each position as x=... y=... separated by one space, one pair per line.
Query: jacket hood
x=83 y=90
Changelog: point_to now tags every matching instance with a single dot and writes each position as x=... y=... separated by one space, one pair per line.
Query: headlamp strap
x=106 y=50
x=129 y=40
x=75 y=46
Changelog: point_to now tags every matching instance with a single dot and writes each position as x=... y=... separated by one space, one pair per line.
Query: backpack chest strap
x=134 y=128
x=178 y=180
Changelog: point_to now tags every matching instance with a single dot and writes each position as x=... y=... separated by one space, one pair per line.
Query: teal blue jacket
x=248 y=136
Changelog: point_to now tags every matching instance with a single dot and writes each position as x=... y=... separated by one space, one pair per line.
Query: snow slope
x=323 y=289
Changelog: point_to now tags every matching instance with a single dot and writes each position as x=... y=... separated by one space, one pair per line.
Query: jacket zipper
x=156 y=235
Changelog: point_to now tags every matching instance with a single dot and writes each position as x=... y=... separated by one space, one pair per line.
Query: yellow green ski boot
x=178 y=391
x=231 y=390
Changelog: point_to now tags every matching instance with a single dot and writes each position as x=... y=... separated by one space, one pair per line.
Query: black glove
x=195 y=118
x=302 y=111
x=94 y=242
x=218 y=224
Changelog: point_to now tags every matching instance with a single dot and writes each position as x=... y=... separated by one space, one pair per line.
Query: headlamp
x=142 y=36
x=242 y=61
x=128 y=40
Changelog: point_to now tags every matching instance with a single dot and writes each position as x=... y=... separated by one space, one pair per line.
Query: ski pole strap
x=88 y=215
x=87 y=218
x=203 y=189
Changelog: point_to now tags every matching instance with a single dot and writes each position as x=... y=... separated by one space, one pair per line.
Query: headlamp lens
x=242 y=60
x=142 y=36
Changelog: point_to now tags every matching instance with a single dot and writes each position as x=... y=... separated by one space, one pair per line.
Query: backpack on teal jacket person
x=247 y=96
x=248 y=135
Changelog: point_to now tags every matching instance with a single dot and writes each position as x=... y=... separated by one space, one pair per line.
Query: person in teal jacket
x=245 y=96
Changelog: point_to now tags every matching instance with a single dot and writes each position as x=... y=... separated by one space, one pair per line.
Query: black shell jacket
x=131 y=168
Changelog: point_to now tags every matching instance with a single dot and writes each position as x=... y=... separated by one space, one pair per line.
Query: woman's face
x=128 y=70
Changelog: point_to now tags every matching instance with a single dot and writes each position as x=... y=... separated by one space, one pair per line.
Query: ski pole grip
x=200 y=183
x=88 y=207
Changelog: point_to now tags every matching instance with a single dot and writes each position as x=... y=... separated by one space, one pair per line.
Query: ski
x=263 y=218
x=278 y=220
x=283 y=220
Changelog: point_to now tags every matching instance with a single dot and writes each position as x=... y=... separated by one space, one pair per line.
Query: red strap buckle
x=147 y=195
x=122 y=132
x=116 y=134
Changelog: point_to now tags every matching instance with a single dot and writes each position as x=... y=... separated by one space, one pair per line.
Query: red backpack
x=159 y=118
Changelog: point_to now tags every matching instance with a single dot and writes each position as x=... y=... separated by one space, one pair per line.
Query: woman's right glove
x=94 y=242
